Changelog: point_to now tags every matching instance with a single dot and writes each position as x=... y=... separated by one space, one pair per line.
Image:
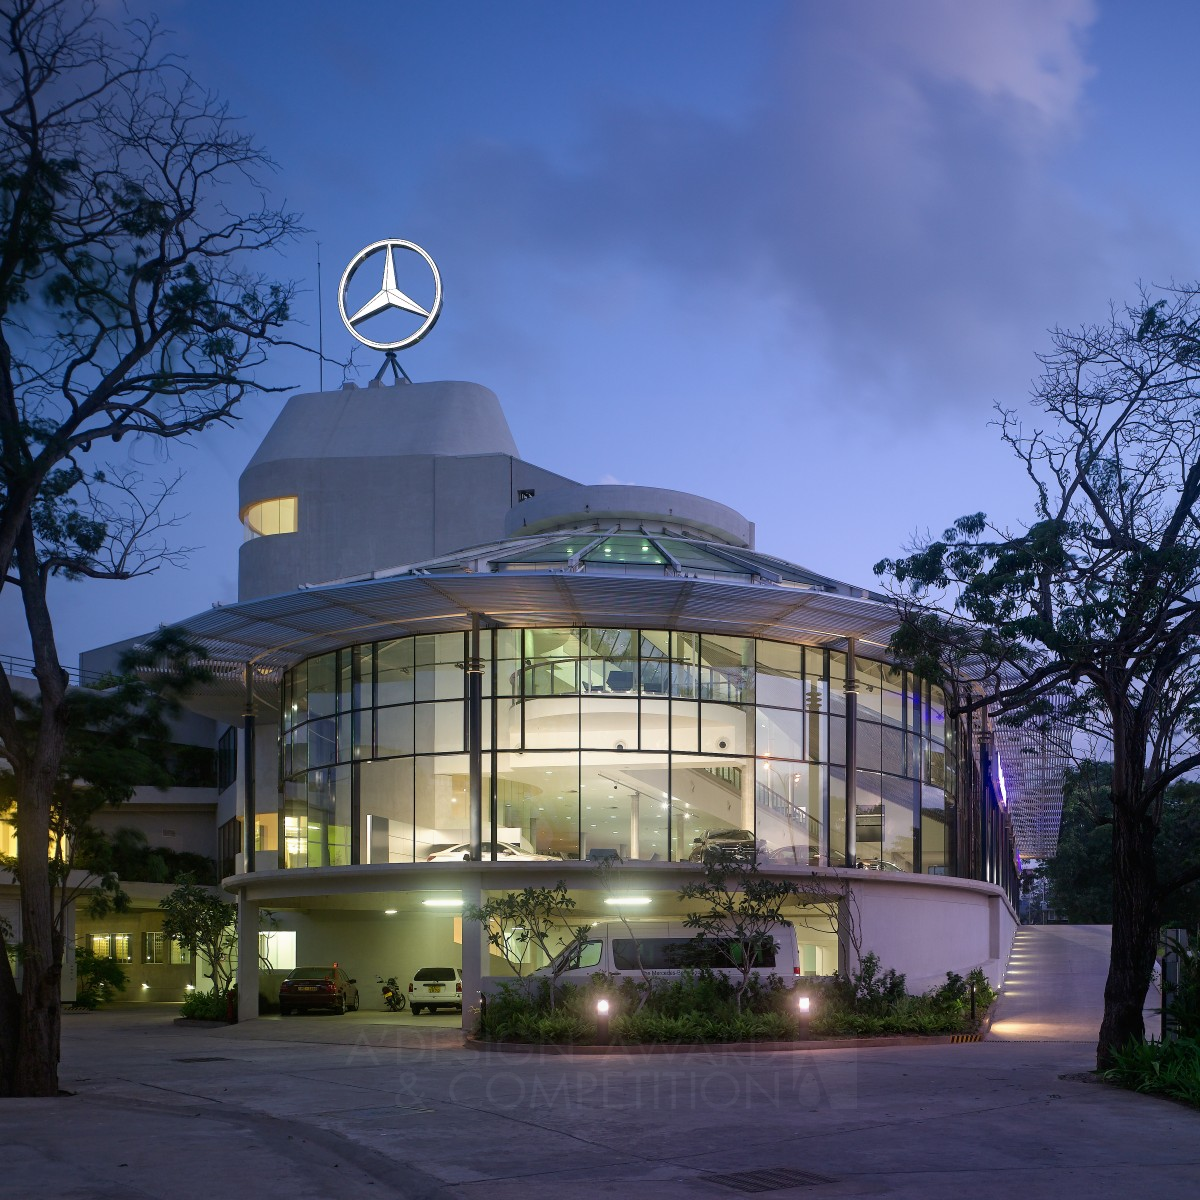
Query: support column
x=474 y=950
x=249 y=822
x=749 y=769
x=474 y=669
x=493 y=829
x=846 y=935
x=69 y=983
x=247 y=964
x=635 y=825
x=851 y=756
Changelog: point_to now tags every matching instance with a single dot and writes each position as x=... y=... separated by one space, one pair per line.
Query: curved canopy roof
x=594 y=576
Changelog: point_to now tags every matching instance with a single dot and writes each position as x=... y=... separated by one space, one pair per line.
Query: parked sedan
x=508 y=851
x=795 y=856
x=724 y=843
x=435 y=987
x=307 y=988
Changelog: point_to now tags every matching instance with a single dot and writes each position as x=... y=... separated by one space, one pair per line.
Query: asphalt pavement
x=370 y=1105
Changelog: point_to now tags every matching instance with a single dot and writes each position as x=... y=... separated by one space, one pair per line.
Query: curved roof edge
x=568 y=507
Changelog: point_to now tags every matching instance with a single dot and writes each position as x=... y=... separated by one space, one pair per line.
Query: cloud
x=894 y=193
x=1028 y=51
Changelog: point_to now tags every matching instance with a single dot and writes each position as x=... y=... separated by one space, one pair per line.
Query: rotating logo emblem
x=389 y=298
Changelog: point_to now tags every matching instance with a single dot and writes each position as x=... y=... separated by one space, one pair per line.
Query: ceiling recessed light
x=443 y=902
x=628 y=901
x=389 y=912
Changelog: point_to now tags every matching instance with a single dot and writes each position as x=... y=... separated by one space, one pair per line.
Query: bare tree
x=131 y=214
x=1089 y=616
x=607 y=870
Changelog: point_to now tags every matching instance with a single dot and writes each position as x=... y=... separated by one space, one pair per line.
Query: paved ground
x=371 y=1106
x=1054 y=987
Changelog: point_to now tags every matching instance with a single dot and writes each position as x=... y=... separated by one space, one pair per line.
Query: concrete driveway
x=372 y=1106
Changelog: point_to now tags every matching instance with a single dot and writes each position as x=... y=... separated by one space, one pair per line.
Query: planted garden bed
x=701 y=1007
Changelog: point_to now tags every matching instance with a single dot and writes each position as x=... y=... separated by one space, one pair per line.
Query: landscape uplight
x=602 y=1021
x=805 y=1006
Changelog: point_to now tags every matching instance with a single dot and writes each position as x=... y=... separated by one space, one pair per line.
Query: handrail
x=12 y=665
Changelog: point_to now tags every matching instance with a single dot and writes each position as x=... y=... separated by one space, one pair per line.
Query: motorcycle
x=393 y=997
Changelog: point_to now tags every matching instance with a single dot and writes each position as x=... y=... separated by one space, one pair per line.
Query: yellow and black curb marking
x=965 y=1037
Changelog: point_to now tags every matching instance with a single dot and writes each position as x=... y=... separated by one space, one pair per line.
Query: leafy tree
x=741 y=907
x=1089 y=616
x=201 y=922
x=133 y=860
x=1080 y=873
x=534 y=916
x=99 y=979
x=130 y=211
x=117 y=737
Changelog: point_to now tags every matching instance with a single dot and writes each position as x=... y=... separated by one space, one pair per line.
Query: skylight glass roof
x=622 y=550
x=625 y=549
x=551 y=552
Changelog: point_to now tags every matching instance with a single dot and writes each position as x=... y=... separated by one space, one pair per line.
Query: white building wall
x=924 y=931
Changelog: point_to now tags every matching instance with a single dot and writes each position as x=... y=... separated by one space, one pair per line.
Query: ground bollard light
x=805 y=1007
x=602 y=1021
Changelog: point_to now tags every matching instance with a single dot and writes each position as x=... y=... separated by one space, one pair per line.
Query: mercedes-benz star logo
x=389 y=295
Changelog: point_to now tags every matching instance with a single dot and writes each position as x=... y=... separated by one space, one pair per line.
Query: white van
x=667 y=948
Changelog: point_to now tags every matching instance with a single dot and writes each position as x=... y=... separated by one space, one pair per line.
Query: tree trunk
x=10 y=1021
x=1135 y=919
x=36 y=1072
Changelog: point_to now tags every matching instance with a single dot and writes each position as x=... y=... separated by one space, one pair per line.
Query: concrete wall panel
x=925 y=933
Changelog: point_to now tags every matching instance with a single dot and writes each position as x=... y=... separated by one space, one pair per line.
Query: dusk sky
x=782 y=254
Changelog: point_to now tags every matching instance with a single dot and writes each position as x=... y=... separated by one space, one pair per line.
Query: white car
x=435 y=987
x=508 y=851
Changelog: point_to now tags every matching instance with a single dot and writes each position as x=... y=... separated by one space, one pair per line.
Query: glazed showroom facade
x=611 y=736
x=616 y=742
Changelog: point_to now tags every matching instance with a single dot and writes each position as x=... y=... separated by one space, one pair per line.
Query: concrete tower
x=353 y=481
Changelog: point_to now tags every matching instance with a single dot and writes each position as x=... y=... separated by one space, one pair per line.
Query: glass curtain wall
x=647 y=744
x=904 y=804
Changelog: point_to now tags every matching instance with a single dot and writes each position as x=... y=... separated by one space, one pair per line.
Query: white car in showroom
x=508 y=851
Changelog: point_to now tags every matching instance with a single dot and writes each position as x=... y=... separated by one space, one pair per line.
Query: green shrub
x=985 y=994
x=556 y=1027
x=205 y=1006
x=954 y=996
x=869 y=988
x=651 y=1027
x=98 y=980
x=700 y=1005
x=913 y=1020
x=1162 y=1068
x=1184 y=1008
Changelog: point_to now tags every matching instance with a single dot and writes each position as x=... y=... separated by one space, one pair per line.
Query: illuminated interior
x=269 y=517
x=639 y=744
